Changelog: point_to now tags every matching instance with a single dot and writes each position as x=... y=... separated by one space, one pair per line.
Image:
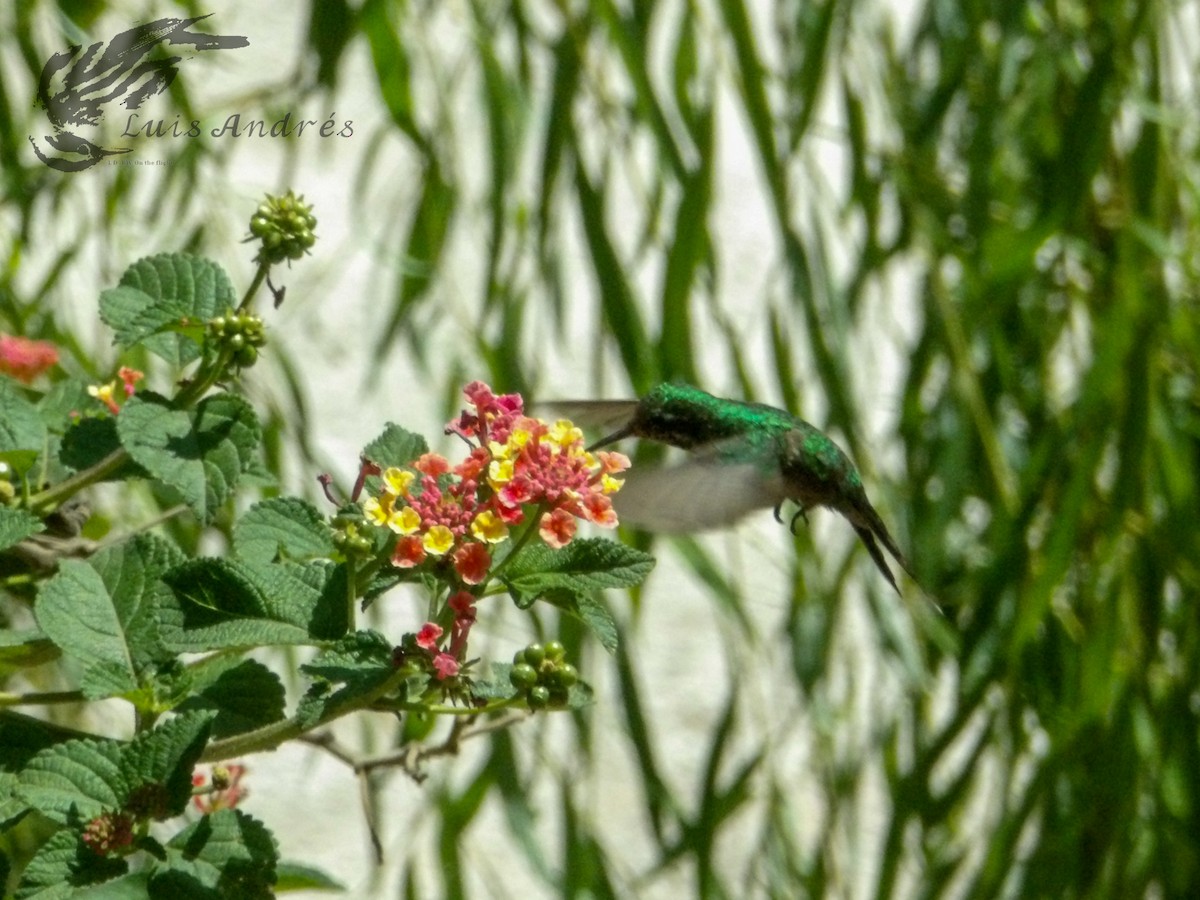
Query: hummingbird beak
x=619 y=435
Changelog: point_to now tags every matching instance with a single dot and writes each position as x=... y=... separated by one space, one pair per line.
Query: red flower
x=427 y=637
x=25 y=359
x=462 y=604
x=409 y=552
x=471 y=562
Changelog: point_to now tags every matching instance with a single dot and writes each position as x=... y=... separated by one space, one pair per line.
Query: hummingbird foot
x=801 y=513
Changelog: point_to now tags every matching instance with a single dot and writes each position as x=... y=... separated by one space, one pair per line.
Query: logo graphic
x=131 y=69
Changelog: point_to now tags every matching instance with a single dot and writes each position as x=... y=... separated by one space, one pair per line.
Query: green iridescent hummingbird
x=743 y=457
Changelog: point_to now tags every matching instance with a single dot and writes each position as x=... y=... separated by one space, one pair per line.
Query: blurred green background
x=962 y=237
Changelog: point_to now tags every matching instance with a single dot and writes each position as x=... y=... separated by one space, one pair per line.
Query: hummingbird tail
x=868 y=540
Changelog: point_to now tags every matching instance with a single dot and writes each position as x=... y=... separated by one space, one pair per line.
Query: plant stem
x=52 y=497
x=271 y=736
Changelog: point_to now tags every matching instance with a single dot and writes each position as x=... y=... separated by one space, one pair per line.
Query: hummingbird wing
x=698 y=494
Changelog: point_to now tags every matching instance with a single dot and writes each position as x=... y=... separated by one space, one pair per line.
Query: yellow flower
x=404 y=520
x=500 y=472
x=377 y=510
x=564 y=434
x=610 y=485
x=397 y=481
x=489 y=527
x=438 y=540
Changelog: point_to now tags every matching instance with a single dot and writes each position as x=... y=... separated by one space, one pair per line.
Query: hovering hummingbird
x=743 y=457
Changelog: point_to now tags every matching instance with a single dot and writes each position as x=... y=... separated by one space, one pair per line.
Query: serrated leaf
x=75 y=781
x=228 y=603
x=360 y=662
x=22 y=737
x=598 y=618
x=581 y=567
x=158 y=293
x=244 y=694
x=202 y=453
x=363 y=652
x=103 y=612
x=21 y=427
x=16 y=525
x=224 y=854
x=395 y=447
x=282 y=528
x=64 y=866
x=166 y=756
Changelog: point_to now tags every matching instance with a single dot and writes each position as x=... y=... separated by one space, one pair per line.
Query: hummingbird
x=742 y=457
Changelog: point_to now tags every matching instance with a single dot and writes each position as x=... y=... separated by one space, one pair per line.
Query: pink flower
x=445 y=666
x=557 y=528
x=598 y=510
x=25 y=359
x=427 y=637
x=471 y=562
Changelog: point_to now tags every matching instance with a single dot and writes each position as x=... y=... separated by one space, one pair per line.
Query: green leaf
x=161 y=292
x=360 y=662
x=64 y=866
x=16 y=525
x=224 y=854
x=21 y=737
x=228 y=603
x=244 y=694
x=201 y=453
x=21 y=427
x=103 y=612
x=282 y=528
x=598 y=618
x=395 y=447
x=582 y=567
x=76 y=781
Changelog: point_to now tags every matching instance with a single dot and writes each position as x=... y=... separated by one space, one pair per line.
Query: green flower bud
x=534 y=654
x=523 y=676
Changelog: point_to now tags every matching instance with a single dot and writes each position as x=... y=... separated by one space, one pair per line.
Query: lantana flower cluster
x=461 y=512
